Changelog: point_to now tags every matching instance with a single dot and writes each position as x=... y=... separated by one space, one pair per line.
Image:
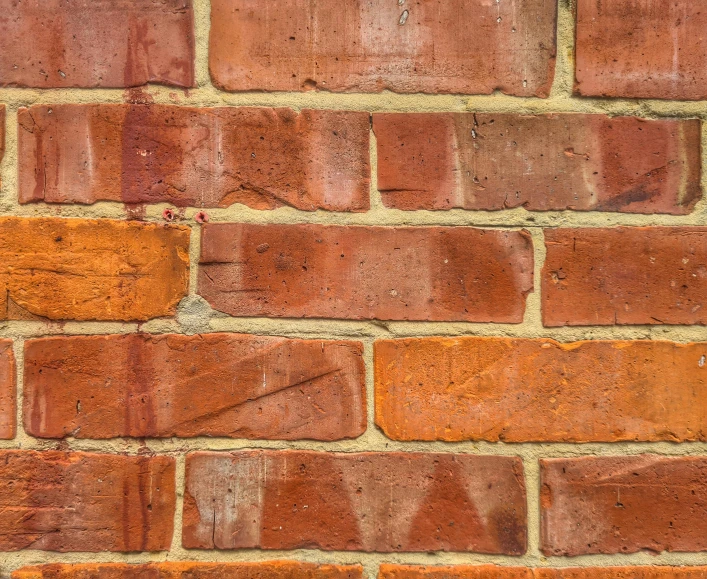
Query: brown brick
x=355 y=502
x=642 y=49
x=450 y=46
x=59 y=501
x=519 y=390
x=495 y=572
x=8 y=395
x=263 y=158
x=107 y=43
x=91 y=269
x=210 y=385
x=409 y=273
x=542 y=163
x=625 y=275
x=187 y=570
x=623 y=504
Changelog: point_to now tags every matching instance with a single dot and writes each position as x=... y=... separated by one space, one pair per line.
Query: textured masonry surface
x=382 y=288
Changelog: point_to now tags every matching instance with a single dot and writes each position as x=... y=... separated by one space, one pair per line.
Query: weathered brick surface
x=2 y=134
x=241 y=570
x=91 y=269
x=410 y=273
x=625 y=275
x=209 y=385
x=359 y=502
x=205 y=157
x=8 y=395
x=641 y=49
x=58 y=501
x=103 y=43
x=519 y=390
x=453 y=46
x=623 y=504
x=549 y=162
x=496 y=572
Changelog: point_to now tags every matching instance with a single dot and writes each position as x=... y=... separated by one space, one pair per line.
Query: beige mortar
x=194 y=315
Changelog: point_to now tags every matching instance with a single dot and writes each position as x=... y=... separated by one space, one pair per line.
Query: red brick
x=109 y=43
x=8 y=395
x=495 y=572
x=542 y=163
x=410 y=273
x=263 y=158
x=519 y=390
x=625 y=275
x=451 y=46
x=623 y=504
x=642 y=49
x=91 y=269
x=210 y=385
x=59 y=501
x=187 y=570
x=354 y=502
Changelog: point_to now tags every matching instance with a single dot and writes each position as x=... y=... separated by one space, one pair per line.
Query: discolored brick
x=353 y=272
x=79 y=269
x=188 y=570
x=548 y=162
x=102 y=43
x=8 y=392
x=625 y=275
x=205 y=157
x=450 y=46
x=641 y=49
x=232 y=385
x=518 y=390
x=623 y=504
x=75 y=501
x=380 y=501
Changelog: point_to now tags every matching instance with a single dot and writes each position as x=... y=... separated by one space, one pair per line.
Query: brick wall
x=396 y=289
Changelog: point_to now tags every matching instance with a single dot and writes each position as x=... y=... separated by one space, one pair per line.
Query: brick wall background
x=278 y=312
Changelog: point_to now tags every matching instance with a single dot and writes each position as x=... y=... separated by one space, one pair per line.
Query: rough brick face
x=90 y=269
x=411 y=273
x=263 y=158
x=496 y=572
x=642 y=49
x=360 y=502
x=549 y=162
x=2 y=134
x=623 y=504
x=58 y=501
x=268 y=570
x=8 y=409
x=209 y=385
x=636 y=275
x=519 y=390
x=452 y=46
x=103 y=43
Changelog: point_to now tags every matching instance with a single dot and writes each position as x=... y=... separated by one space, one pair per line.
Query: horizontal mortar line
x=209 y=96
x=17 y=559
x=502 y=219
x=369 y=442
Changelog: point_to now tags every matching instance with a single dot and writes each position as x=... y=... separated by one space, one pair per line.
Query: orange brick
x=209 y=385
x=353 y=272
x=542 y=163
x=115 y=43
x=625 y=275
x=75 y=501
x=8 y=393
x=519 y=390
x=641 y=49
x=439 y=46
x=91 y=269
x=204 y=157
x=240 y=570
x=496 y=572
